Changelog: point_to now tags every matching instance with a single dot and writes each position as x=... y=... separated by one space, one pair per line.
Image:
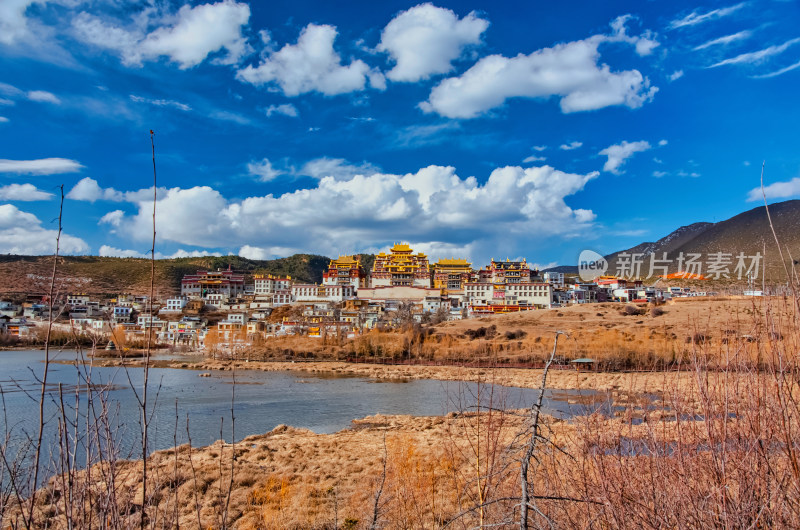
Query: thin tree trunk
x=37 y=456
x=534 y=433
x=376 y=508
x=145 y=419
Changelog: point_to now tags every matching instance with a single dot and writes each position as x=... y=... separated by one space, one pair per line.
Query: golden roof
x=346 y=261
x=401 y=247
x=453 y=262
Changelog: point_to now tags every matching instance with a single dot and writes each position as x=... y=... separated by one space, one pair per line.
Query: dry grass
x=718 y=448
x=616 y=336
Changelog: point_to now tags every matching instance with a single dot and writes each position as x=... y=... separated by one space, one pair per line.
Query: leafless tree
x=378 y=502
x=38 y=448
x=526 y=501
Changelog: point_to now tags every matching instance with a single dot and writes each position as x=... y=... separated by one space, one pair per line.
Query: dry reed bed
x=617 y=336
x=699 y=460
x=718 y=449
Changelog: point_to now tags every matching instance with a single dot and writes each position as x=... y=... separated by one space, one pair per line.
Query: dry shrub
x=721 y=453
x=718 y=451
x=420 y=484
x=273 y=500
x=645 y=344
x=632 y=310
x=482 y=332
x=513 y=335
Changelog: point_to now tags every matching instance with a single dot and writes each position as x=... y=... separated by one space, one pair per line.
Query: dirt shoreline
x=655 y=382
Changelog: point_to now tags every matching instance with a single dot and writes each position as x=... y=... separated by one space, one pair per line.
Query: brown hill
x=748 y=233
x=669 y=243
x=20 y=275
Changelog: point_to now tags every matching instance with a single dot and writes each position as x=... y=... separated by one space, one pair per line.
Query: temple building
x=482 y=297
x=450 y=275
x=509 y=271
x=274 y=290
x=506 y=287
x=218 y=285
x=401 y=268
x=345 y=270
x=307 y=292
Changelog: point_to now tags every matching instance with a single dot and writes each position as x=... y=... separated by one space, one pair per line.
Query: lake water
x=261 y=400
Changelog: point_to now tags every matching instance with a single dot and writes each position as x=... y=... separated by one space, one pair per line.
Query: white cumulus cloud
x=338 y=168
x=534 y=158
x=433 y=204
x=180 y=253
x=108 y=35
x=42 y=96
x=311 y=65
x=113 y=218
x=13 y=22
x=287 y=109
x=258 y=253
x=113 y=252
x=569 y=71
x=13 y=93
x=200 y=31
x=10 y=91
x=87 y=189
x=619 y=153
x=187 y=37
x=570 y=146
x=23 y=192
x=161 y=102
x=776 y=190
x=644 y=44
x=263 y=170
x=44 y=166
x=426 y=39
x=22 y=233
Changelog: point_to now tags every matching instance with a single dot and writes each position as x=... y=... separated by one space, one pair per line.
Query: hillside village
x=229 y=309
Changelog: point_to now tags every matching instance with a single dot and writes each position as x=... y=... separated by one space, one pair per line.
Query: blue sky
x=531 y=129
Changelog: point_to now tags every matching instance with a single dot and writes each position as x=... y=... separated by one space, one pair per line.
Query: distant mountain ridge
x=748 y=233
x=104 y=276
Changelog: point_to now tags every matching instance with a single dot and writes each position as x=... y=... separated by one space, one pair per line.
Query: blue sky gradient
x=532 y=129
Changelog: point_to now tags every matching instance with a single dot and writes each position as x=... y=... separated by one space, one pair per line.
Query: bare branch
x=534 y=436
x=29 y=523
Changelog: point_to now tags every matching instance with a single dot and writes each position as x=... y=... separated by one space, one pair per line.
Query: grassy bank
x=617 y=336
x=717 y=447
